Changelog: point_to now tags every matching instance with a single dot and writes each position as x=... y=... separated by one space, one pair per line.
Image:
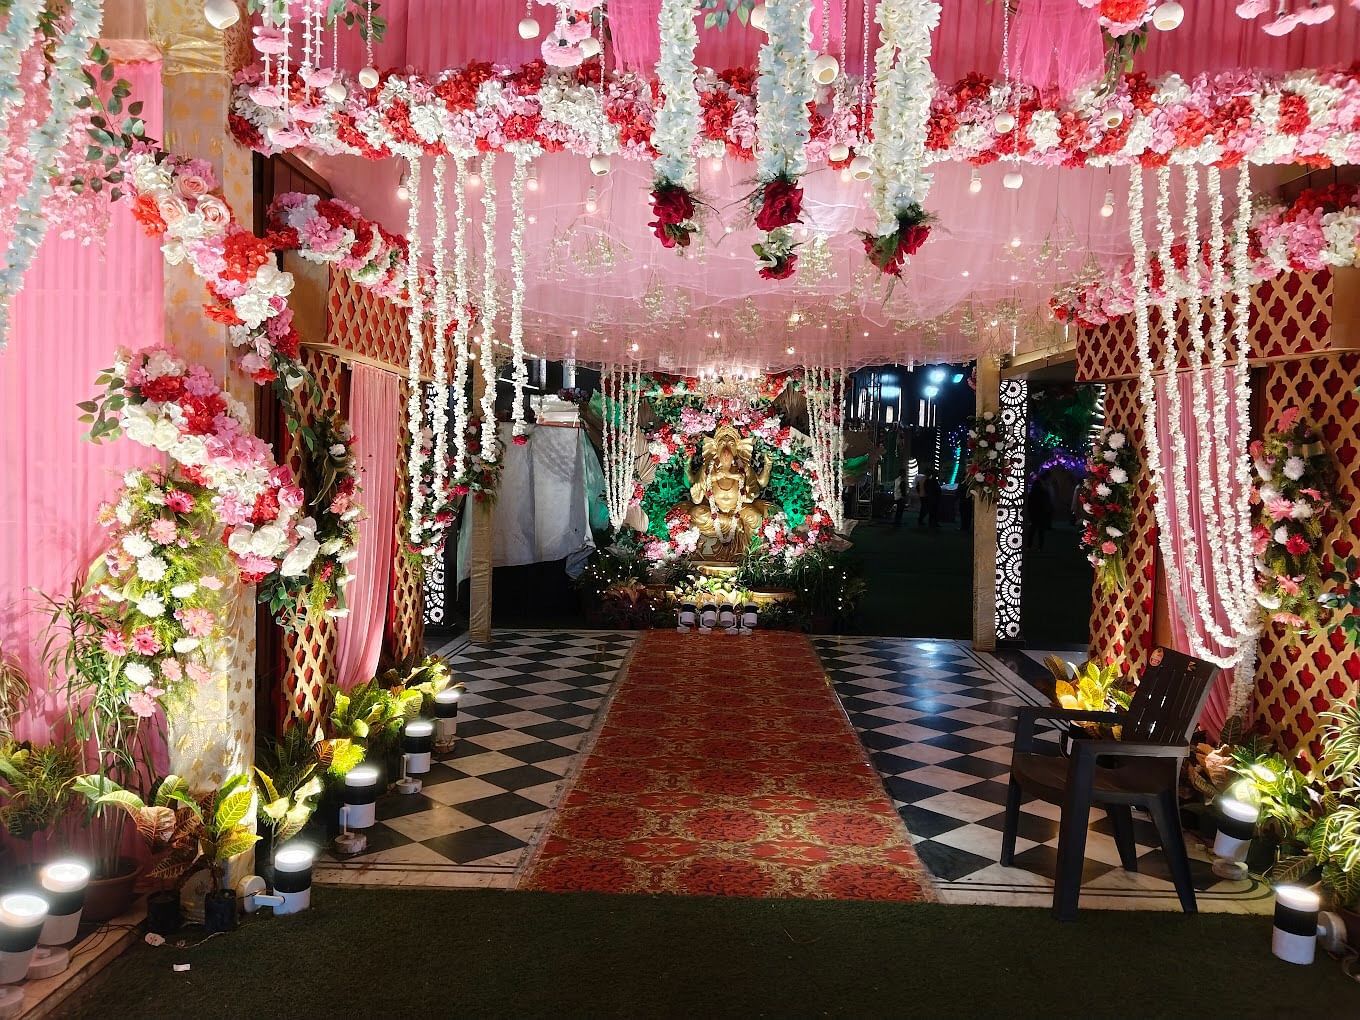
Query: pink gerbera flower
x=145 y=642
x=197 y=622
x=162 y=532
x=179 y=502
x=114 y=643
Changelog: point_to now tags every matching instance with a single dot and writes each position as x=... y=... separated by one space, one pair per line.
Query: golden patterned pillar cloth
x=213 y=735
x=984 y=522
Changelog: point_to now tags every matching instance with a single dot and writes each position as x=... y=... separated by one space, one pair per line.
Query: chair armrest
x=1028 y=715
x=1106 y=748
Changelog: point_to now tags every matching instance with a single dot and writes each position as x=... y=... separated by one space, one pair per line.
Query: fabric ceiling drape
x=374 y=415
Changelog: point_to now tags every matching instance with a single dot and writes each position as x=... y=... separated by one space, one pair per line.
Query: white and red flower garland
x=676 y=128
x=1295 y=491
x=989 y=455
x=784 y=93
x=1305 y=116
x=1106 y=496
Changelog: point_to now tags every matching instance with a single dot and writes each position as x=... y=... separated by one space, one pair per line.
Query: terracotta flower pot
x=107 y=898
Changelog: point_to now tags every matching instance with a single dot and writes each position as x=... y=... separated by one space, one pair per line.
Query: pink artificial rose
x=191 y=185
x=214 y=212
x=172 y=210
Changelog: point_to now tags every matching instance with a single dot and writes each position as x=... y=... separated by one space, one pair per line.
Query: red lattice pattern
x=1121 y=620
x=309 y=651
x=360 y=322
x=1288 y=316
x=1300 y=677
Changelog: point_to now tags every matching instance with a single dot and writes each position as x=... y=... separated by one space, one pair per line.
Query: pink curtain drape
x=79 y=304
x=374 y=416
x=1197 y=432
x=1058 y=43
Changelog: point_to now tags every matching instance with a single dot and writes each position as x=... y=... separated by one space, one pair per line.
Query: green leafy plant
x=373 y=716
x=1090 y=687
x=1345 y=599
x=39 y=780
x=169 y=825
x=717 y=13
x=14 y=691
x=289 y=783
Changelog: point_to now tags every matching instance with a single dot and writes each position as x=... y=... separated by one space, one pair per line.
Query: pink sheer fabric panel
x=373 y=416
x=431 y=35
x=637 y=43
x=1057 y=44
x=78 y=305
x=1195 y=432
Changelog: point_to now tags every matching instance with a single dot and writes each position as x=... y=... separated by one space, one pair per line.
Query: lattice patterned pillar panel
x=1300 y=676
x=406 y=604
x=309 y=651
x=1121 y=620
x=1010 y=512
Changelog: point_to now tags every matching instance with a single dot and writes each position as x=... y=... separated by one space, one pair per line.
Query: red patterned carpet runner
x=725 y=767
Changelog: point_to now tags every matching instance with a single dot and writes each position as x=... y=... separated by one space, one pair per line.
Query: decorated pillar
x=212 y=735
x=479 y=550
x=1010 y=512
x=985 y=522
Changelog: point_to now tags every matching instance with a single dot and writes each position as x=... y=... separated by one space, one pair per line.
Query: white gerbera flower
x=1114 y=533
x=1102 y=490
x=1110 y=456
x=151 y=569
x=183 y=591
x=1302 y=511
x=138 y=673
x=186 y=644
x=138 y=545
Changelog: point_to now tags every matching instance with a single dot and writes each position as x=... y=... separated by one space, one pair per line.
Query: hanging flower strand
x=784 y=91
x=490 y=306
x=415 y=325
x=462 y=320
x=519 y=430
x=676 y=127
x=904 y=88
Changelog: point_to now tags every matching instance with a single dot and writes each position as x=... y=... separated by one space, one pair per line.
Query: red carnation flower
x=1297 y=545
x=781 y=270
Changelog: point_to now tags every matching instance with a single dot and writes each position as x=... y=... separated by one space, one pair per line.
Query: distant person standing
x=1038 y=513
x=901 y=494
x=930 y=502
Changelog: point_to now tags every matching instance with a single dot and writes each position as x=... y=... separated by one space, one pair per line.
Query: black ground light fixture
x=21 y=922
x=63 y=886
x=358 y=808
x=417 y=741
x=446 y=717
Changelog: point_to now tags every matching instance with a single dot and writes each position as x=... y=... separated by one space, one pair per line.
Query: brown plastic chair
x=1140 y=769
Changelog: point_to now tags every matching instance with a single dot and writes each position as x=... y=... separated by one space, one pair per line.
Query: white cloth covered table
x=542 y=510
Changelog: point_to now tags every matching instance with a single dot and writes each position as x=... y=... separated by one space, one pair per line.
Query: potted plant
x=14 y=691
x=37 y=794
x=288 y=792
x=372 y=716
x=1323 y=821
x=1088 y=688
x=108 y=734
x=169 y=828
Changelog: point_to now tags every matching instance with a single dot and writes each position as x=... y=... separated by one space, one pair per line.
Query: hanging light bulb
x=368 y=77
x=474 y=180
x=591 y=202
x=403 y=192
x=1014 y=180
x=1015 y=241
x=336 y=92
x=221 y=14
x=1168 y=16
x=838 y=153
x=825 y=69
x=788 y=350
x=861 y=169
x=590 y=47
x=1113 y=118
x=1004 y=123
x=531 y=182
x=845 y=176
x=975 y=181
x=1107 y=209
x=758 y=17
x=599 y=164
x=529 y=28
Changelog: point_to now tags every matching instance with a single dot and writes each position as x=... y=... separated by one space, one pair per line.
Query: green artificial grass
x=398 y=953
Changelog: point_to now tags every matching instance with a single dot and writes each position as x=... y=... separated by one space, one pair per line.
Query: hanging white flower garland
x=622 y=384
x=15 y=41
x=823 y=389
x=784 y=89
x=462 y=321
x=415 y=330
x=676 y=125
x=1241 y=640
x=66 y=86
x=438 y=497
x=486 y=353
x=519 y=430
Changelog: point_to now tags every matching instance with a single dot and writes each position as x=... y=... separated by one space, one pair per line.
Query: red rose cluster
x=781 y=205
x=674 y=210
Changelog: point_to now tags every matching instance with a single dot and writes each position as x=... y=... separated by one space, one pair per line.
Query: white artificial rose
x=1102 y=490
x=1302 y=511
x=300 y=557
x=1110 y=456
x=186 y=644
x=1282 y=535
x=269 y=541
x=240 y=540
x=1114 y=533
x=1268 y=602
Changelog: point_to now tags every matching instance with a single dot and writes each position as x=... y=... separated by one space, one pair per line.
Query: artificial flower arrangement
x=156 y=592
x=989 y=454
x=1319 y=230
x=333 y=232
x=1302 y=117
x=1297 y=484
x=480 y=478
x=676 y=127
x=780 y=206
x=1107 y=494
x=889 y=252
x=159 y=401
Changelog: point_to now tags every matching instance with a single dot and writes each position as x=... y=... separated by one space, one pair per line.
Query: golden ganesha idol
x=726 y=480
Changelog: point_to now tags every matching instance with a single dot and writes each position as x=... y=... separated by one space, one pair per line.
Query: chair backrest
x=1169 y=699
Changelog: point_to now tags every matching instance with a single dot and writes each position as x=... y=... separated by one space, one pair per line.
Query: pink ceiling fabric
x=1057 y=44
x=78 y=305
x=431 y=35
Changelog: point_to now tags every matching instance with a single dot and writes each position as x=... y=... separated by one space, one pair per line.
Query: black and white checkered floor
x=533 y=698
x=935 y=716
x=937 y=720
